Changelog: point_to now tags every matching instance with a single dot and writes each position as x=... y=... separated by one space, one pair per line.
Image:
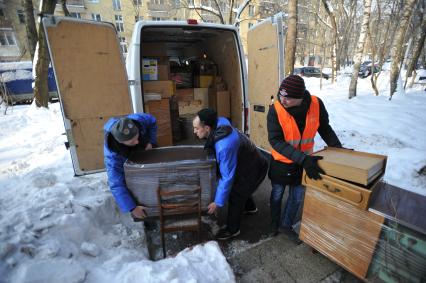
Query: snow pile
x=55 y=227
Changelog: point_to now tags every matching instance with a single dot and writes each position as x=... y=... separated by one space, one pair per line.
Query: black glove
x=310 y=164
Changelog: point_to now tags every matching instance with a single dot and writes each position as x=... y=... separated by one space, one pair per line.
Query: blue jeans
x=293 y=204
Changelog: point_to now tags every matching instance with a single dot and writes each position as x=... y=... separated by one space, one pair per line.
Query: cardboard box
x=220 y=101
x=149 y=69
x=165 y=88
x=354 y=166
x=205 y=81
x=191 y=107
x=160 y=109
x=202 y=94
x=185 y=94
x=154 y=49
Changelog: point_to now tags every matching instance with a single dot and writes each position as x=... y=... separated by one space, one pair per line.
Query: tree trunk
x=360 y=48
x=64 y=8
x=418 y=47
x=30 y=26
x=41 y=91
x=290 y=42
x=330 y=12
x=398 y=45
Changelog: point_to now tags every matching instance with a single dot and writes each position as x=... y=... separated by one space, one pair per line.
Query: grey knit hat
x=124 y=129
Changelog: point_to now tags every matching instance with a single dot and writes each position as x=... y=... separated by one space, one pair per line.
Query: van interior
x=186 y=69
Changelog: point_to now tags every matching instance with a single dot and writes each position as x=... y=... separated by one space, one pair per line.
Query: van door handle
x=259 y=108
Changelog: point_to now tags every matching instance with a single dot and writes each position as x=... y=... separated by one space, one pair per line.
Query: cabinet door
x=92 y=84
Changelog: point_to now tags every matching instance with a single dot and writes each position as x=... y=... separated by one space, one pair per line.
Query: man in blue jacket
x=242 y=168
x=122 y=137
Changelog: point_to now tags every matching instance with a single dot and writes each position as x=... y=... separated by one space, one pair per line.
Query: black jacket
x=291 y=174
x=252 y=165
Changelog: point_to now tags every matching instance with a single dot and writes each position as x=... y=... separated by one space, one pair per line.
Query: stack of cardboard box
x=219 y=98
x=156 y=74
x=161 y=87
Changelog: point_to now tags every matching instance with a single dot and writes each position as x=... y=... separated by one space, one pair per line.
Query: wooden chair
x=180 y=210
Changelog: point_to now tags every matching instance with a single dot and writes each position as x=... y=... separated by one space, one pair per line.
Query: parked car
x=365 y=69
x=310 y=72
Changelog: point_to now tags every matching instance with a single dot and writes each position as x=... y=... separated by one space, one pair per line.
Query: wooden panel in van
x=263 y=77
x=89 y=141
x=229 y=68
x=90 y=69
x=92 y=84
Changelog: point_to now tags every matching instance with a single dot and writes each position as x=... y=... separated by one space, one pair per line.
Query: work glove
x=310 y=164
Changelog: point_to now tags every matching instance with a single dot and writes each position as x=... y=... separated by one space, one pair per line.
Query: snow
x=11 y=71
x=55 y=227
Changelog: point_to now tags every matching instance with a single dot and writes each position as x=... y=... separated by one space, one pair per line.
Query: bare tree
x=64 y=7
x=41 y=91
x=398 y=44
x=360 y=48
x=291 y=36
x=418 y=44
x=330 y=11
x=30 y=26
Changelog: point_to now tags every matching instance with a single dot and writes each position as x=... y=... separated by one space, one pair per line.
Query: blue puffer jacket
x=114 y=161
x=226 y=156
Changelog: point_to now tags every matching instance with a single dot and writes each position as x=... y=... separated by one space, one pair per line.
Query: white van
x=94 y=85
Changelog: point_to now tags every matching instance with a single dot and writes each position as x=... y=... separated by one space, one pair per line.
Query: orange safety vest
x=291 y=131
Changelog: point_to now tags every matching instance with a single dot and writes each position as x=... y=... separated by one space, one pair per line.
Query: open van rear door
x=265 y=72
x=92 y=84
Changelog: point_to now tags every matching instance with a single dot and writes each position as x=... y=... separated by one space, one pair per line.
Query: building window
x=119 y=24
x=191 y=2
x=75 y=15
x=156 y=18
x=1 y=13
x=138 y=18
x=158 y=2
x=21 y=16
x=251 y=10
x=177 y=3
x=123 y=44
x=250 y=25
x=137 y=2
x=116 y=5
x=7 y=38
x=96 y=17
x=205 y=3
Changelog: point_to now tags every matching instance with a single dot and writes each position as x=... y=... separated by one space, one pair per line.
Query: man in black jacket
x=241 y=168
x=293 y=120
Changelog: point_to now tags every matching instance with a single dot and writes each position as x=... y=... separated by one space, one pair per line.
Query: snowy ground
x=55 y=227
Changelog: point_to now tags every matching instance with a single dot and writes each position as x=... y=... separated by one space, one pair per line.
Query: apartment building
x=123 y=14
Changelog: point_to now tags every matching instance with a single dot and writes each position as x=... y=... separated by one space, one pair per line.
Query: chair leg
x=163 y=244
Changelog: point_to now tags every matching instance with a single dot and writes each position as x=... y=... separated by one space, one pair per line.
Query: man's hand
x=148 y=146
x=139 y=212
x=212 y=208
x=310 y=164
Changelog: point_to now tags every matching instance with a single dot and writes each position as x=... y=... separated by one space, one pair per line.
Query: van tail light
x=192 y=22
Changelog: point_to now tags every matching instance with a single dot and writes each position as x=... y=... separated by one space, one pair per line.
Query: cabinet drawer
x=347 y=192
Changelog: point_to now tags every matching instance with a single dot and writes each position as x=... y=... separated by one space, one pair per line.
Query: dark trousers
x=238 y=203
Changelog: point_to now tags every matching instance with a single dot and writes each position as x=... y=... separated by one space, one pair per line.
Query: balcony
x=5 y=23
x=158 y=6
x=73 y=6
